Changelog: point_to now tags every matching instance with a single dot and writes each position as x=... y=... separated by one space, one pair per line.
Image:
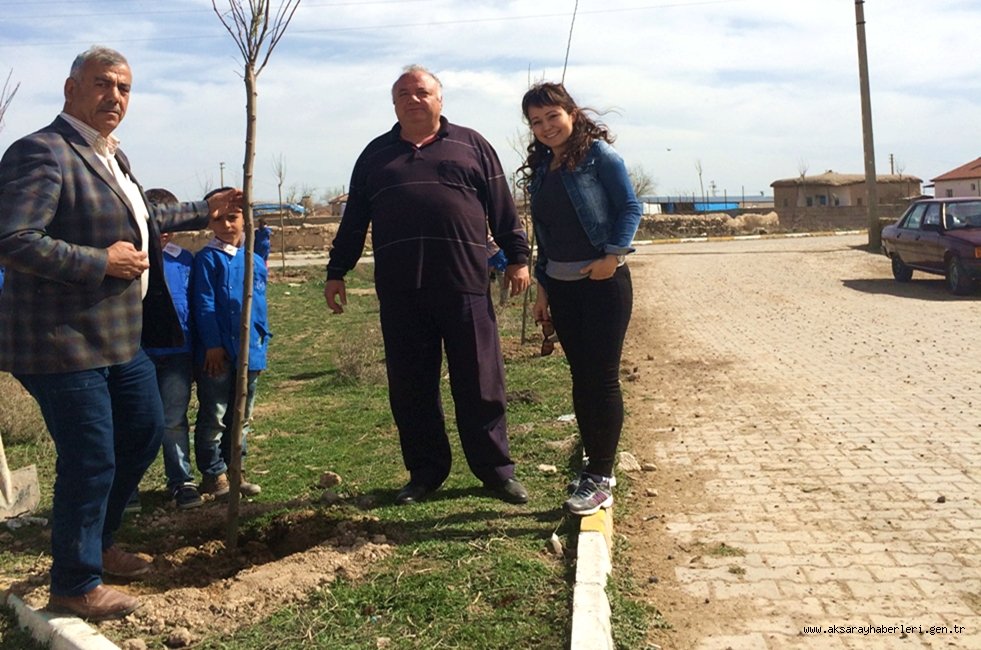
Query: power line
x=568 y=45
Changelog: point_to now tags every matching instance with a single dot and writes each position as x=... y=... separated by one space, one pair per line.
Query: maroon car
x=941 y=236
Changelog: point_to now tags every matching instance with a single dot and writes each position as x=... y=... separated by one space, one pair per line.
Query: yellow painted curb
x=599 y=522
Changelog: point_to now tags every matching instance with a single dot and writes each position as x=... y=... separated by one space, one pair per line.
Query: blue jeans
x=106 y=424
x=174 y=381
x=216 y=401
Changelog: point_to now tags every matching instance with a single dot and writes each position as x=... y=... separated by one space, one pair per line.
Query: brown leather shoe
x=117 y=562
x=100 y=604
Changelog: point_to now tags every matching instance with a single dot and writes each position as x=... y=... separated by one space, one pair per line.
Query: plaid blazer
x=60 y=208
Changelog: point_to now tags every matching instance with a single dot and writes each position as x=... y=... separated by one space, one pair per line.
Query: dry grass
x=20 y=418
x=363 y=363
x=756 y=223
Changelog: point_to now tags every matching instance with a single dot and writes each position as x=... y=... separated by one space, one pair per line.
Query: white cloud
x=750 y=88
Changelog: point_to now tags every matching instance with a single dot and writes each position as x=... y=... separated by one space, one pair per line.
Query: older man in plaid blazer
x=84 y=292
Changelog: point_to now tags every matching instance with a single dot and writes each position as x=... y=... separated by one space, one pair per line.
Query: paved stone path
x=840 y=442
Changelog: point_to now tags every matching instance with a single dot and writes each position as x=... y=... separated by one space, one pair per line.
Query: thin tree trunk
x=245 y=329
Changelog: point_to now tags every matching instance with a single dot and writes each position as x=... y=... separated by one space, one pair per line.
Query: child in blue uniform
x=216 y=298
x=263 y=241
x=174 y=369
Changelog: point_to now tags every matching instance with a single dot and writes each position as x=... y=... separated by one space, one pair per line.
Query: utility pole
x=871 y=187
x=221 y=170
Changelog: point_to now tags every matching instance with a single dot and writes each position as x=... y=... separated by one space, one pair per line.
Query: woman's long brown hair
x=584 y=129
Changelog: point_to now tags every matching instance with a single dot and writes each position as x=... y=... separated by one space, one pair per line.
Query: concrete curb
x=590 y=607
x=707 y=238
x=59 y=632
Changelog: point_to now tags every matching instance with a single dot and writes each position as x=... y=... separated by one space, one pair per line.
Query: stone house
x=961 y=181
x=832 y=189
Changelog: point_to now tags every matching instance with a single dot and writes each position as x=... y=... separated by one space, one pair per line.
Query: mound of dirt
x=199 y=588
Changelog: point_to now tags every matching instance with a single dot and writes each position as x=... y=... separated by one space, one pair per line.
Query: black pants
x=591 y=319
x=416 y=326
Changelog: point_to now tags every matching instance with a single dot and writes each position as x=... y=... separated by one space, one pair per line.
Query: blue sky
x=752 y=90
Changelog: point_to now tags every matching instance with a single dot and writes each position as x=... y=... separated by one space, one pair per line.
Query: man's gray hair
x=415 y=67
x=100 y=54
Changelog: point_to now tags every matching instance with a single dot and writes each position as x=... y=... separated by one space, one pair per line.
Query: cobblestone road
x=834 y=422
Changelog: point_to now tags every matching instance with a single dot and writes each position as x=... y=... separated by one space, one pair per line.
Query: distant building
x=337 y=205
x=691 y=204
x=962 y=181
x=832 y=189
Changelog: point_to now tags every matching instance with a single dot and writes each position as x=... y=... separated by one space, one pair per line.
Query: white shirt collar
x=224 y=247
x=104 y=146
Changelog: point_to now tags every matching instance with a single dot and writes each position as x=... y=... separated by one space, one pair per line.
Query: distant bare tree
x=900 y=168
x=331 y=192
x=296 y=193
x=641 y=180
x=256 y=31
x=701 y=187
x=279 y=169
x=206 y=183
x=802 y=186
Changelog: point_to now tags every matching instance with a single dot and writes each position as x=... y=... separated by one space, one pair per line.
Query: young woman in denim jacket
x=585 y=214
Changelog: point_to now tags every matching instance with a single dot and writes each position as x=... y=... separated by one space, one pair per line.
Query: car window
x=964 y=215
x=915 y=216
x=932 y=215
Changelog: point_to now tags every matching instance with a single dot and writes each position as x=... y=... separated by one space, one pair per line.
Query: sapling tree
x=256 y=29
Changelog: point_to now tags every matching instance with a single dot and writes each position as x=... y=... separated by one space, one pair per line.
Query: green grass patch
x=13 y=637
x=467 y=570
x=630 y=616
x=724 y=550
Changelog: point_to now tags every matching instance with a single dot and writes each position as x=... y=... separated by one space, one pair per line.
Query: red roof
x=971 y=170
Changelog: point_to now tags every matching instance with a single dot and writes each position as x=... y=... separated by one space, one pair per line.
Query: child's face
x=229 y=227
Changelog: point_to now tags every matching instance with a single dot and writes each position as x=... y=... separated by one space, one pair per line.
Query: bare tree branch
x=255 y=30
x=641 y=180
x=6 y=97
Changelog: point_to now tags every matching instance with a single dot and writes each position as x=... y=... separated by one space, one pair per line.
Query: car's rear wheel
x=958 y=280
x=900 y=271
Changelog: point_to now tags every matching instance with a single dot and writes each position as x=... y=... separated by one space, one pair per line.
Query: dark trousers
x=416 y=326
x=106 y=424
x=591 y=319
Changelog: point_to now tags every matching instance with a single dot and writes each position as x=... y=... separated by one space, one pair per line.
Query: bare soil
x=668 y=384
x=198 y=588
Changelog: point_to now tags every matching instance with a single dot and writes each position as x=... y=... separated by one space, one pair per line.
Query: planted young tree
x=256 y=30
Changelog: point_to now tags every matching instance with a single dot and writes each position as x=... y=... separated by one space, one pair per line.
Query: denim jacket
x=604 y=200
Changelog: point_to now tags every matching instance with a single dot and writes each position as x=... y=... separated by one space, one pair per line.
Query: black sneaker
x=186 y=496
